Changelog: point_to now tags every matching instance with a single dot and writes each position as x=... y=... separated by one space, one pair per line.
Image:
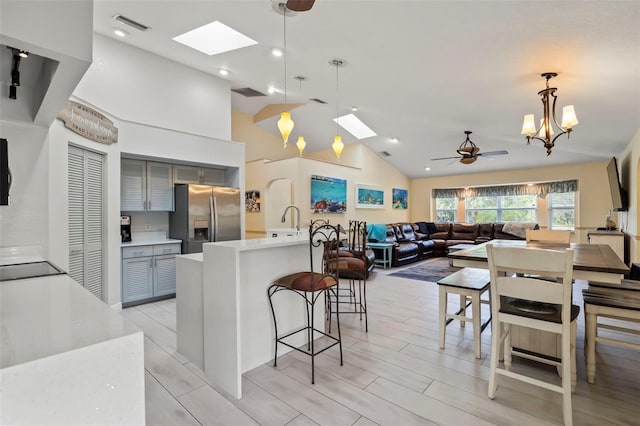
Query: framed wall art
x=252 y=201
x=400 y=198
x=369 y=197
x=328 y=195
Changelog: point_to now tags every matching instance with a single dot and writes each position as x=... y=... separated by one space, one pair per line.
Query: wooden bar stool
x=469 y=284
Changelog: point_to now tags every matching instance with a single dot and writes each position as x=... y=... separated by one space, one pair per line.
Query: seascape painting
x=328 y=195
x=400 y=198
x=369 y=197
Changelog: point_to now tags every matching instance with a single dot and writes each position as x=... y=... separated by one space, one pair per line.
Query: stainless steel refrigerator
x=203 y=214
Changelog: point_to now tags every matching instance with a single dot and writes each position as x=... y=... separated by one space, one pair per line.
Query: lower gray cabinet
x=148 y=272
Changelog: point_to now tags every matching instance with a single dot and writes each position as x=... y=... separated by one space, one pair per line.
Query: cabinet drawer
x=140 y=251
x=161 y=249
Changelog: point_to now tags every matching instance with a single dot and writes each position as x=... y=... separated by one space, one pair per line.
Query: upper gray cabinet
x=198 y=175
x=146 y=186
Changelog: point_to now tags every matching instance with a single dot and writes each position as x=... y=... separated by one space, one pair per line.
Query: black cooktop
x=28 y=270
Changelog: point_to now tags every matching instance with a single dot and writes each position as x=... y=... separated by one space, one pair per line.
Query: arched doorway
x=278 y=195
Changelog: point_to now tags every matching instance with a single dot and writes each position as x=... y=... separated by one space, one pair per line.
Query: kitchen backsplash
x=149 y=221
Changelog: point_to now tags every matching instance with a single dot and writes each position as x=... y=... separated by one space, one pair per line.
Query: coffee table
x=453 y=249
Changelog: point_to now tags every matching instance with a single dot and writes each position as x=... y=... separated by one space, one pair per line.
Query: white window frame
x=551 y=208
x=499 y=209
x=454 y=209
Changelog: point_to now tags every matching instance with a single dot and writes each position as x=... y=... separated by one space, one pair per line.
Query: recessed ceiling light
x=120 y=32
x=353 y=125
x=354 y=108
x=393 y=140
x=214 y=38
x=271 y=90
x=427 y=168
x=276 y=52
x=222 y=71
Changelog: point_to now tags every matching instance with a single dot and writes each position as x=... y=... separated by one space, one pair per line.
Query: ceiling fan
x=299 y=5
x=469 y=152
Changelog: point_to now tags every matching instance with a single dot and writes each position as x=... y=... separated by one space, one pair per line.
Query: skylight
x=214 y=38
x=353 y=125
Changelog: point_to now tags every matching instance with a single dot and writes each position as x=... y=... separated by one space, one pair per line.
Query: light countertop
x=262 y=243
x=150 y=242
x=46 y=316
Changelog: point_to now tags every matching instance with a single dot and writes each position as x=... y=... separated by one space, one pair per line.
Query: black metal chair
x=354 y=269
x=320 y=280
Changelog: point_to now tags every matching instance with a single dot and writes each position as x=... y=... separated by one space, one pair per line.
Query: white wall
x=145 y=88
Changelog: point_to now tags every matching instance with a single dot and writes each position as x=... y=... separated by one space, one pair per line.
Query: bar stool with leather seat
x=533 y=303
x=321 y=278
x=353 y=270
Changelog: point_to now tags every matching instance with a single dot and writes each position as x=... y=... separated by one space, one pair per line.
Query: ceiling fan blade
x=445 y=158
x=300 y=5
x=490 y=153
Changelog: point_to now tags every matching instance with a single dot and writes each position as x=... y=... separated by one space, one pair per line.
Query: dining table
x=591 y=262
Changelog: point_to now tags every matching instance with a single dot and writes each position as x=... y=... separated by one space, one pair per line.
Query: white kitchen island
x=66 y=358
x=237 y=328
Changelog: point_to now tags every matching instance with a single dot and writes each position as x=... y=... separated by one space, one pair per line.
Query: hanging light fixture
x=285 y=124
x=301 y=143
x=545 y=131
x=337 y=145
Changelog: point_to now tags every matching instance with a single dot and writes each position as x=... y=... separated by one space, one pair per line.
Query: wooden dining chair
x=548 y=236
x=536 y=304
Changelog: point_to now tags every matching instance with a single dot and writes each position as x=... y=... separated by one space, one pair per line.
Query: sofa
x=421 y=240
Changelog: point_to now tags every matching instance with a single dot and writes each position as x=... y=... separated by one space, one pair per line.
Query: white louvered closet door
x=86 y=219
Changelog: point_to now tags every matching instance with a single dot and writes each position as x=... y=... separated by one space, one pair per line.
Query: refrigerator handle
x=212 y=220
x=215 y=216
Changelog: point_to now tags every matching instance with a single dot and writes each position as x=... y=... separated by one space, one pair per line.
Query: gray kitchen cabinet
x=198 y=175
x=146 y=186
x=148 y=272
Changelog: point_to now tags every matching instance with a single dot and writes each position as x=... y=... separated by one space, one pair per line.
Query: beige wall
x=630 y=177
x=374 y=171
x=591 y=204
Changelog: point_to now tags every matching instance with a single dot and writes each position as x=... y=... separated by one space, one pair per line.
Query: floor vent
x=385 y=153
x=320 y=101
x=248 y=92
x=130 y=22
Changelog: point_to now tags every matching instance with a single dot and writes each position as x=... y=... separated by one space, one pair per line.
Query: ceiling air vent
x=248 y=92
x=320 y=101
x=130 y=22
x=385 y=153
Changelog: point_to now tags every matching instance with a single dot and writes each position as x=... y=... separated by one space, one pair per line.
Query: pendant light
x=301 y=143
x=337 y=145
x=285 y=124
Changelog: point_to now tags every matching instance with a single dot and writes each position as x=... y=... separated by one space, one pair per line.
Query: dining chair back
x=548 y=236
x=520 y=300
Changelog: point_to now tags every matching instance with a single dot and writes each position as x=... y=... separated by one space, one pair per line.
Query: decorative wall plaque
x=89 y=123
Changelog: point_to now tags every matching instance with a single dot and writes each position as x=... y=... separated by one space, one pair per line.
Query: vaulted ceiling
x=421 y=71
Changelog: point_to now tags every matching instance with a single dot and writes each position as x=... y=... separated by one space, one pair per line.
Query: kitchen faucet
x=284 y=215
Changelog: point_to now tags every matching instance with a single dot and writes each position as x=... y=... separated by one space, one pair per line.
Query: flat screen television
x=618 y=194
x=5 y=175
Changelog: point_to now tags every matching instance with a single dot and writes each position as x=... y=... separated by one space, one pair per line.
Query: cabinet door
x=159 y=187
x=133 y=185
x=213 y=177
x=137 y=279
x=186 y=174
x=164 y=275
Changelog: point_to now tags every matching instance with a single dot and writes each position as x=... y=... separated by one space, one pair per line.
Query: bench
x=469 y=284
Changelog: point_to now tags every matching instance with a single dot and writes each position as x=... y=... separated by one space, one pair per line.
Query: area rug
x=432 y=271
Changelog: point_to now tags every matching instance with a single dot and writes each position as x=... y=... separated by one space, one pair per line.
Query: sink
x=284 y=232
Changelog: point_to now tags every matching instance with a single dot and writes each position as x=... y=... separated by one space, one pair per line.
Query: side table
x=386 y=253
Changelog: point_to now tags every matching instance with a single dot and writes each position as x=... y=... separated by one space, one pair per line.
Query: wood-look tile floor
x=395 y=374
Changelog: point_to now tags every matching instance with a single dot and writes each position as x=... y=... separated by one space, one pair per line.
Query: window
x=562 y=210
x=501 y=208
x=445 y=210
